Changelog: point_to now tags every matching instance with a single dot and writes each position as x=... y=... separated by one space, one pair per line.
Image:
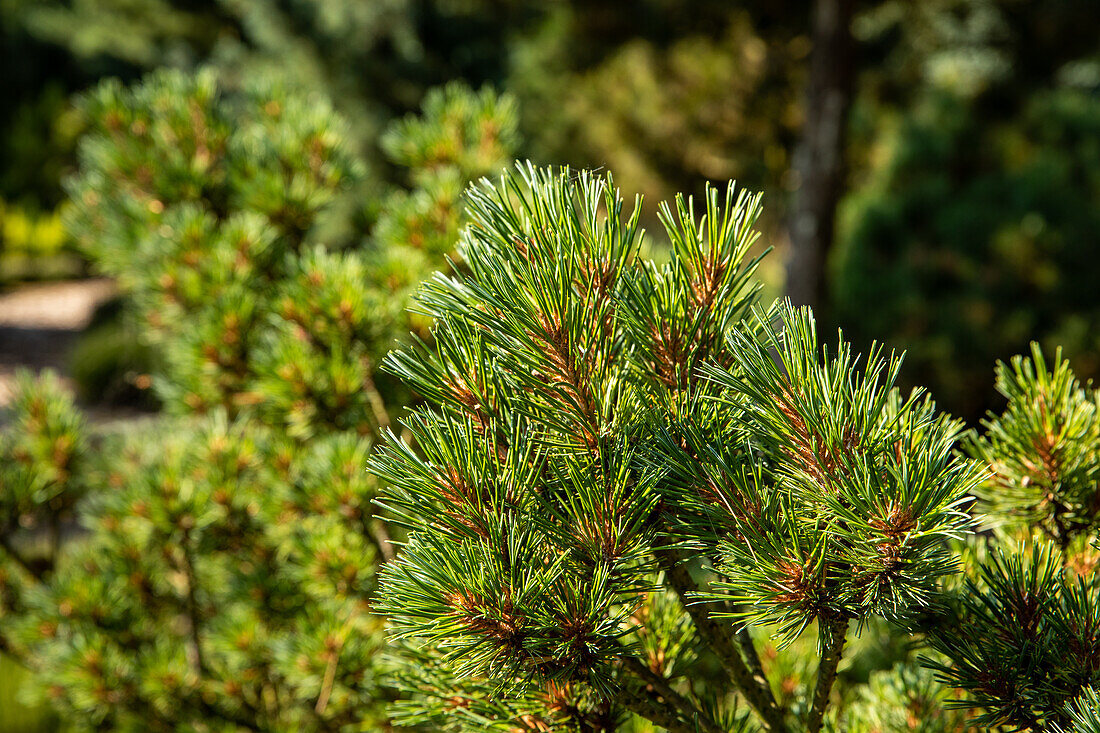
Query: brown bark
x=819 y=156
x=666 y=707
x=722 y=640
x=835 y=634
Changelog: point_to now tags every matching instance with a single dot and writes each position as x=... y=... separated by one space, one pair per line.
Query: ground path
x=39 y=324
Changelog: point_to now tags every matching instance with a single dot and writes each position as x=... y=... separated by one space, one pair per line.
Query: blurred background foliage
x=965 y=216
x=211 y=568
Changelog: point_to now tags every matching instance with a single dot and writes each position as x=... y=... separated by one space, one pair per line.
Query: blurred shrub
x=209 y=204
x=903 y=698
x=34 y=246
x=976 y=238
x=44 y=457
x=223 y=584
x=230 y=551
x=44 y=447
x=200 y=201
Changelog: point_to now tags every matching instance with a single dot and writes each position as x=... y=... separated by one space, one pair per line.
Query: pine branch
x=660 y=714
x=752 y=657
x=835 y=636
x=722 y=641
x=644 y=706
x=661 y=686
x=748 y=646
x=194 y=645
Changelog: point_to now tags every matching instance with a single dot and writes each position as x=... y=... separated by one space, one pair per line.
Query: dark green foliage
x=629 y=483
x=972 y=173
x=975 y=238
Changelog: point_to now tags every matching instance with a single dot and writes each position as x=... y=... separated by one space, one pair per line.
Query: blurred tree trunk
x=819 y=156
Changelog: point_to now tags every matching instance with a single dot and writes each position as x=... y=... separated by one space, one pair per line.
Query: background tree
x=818 y=162
x=963 y=238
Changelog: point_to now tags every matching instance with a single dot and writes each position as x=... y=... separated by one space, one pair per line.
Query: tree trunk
x=819 y=156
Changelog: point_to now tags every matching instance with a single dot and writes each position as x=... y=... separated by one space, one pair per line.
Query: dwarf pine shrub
x=633 y=493
x=222 y=585
x=220 y=574
x=210 y=206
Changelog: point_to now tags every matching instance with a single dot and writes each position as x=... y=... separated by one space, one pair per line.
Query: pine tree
x=625 y=471
x=222 y=585
x=632 y=496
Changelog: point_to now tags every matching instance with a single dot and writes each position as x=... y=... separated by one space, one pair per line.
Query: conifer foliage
x=1022 y=636
x=1042 y=451
x=211 y=205
x=202 y=202
x=223 y=586
x=630 y=494
x=46 y=448
x=610 y=443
